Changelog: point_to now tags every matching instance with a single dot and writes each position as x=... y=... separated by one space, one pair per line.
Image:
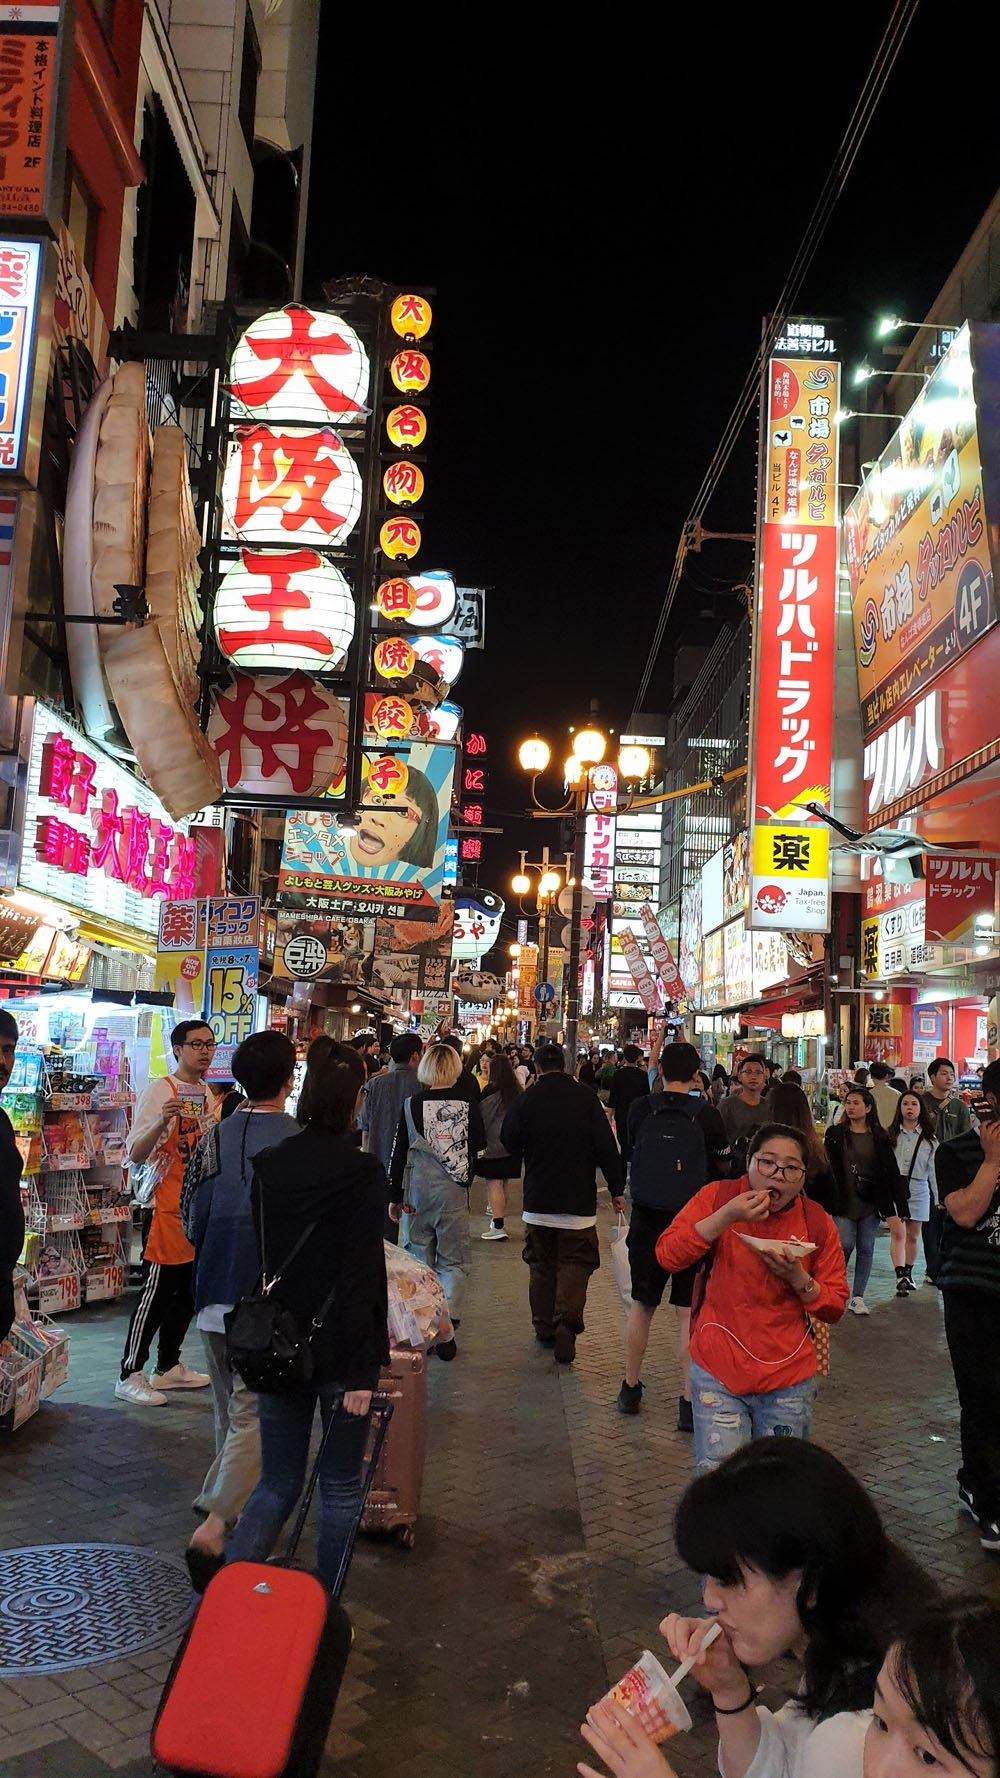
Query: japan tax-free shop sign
x=389 y=860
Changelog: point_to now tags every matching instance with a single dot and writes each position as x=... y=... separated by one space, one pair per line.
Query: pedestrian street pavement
x=543 y=1560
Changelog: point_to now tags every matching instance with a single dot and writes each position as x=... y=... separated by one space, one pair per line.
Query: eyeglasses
x=790 y=1170
x=199 y=1043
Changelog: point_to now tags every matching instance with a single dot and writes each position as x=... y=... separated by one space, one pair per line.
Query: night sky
x=605 y=219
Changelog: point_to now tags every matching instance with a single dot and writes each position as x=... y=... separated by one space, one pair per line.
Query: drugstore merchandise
x=34 y=1360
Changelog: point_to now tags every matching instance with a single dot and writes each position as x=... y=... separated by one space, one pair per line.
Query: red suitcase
x=254 y=1683
x=394 y=1495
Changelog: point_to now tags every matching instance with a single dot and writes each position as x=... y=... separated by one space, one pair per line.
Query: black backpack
x=669 y=1157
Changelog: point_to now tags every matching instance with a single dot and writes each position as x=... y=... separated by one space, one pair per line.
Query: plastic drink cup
x=648 y=1694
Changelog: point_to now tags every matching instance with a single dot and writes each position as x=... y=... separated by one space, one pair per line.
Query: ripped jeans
x=723 y=1422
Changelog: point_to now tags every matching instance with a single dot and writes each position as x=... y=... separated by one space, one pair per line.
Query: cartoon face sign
x=478 y=914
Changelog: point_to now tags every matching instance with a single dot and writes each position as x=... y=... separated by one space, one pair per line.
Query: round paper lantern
x=399 y=538
x=436 y=599
x=396 y=599
x=411 y=317
x=395 y=658
x=445 y=722
x=284 y=736
x=406 y=428
x=410 y=371
x=444 y=653
x=291 y=487
x=387 y=776
x=300 y=364
x=284 y=608
x=391 y=718
x=403 y=483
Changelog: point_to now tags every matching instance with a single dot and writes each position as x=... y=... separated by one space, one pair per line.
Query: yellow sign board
x=790 y=886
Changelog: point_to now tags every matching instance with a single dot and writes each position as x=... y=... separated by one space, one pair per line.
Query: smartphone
x=984 y=1111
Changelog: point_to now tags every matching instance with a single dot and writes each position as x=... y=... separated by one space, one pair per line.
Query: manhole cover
x=66 y=1605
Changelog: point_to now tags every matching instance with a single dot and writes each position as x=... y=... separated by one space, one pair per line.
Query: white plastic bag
x=620 y=1268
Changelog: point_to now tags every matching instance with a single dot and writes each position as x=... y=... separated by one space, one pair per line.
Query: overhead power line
x=898 y=25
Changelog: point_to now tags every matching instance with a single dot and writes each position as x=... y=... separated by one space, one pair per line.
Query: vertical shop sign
x=599 y=833
x=232 y=969
x=31 y=75
x=24 y=355
x=794 y=640
x=180 y=955
x=663 y=956
x=640 y=971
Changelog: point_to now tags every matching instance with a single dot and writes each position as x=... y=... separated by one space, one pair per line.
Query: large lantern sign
x=396 y=599
x=386 y=776
x=291 y=487
x=411 y=317
x=436 y=599
x=406 y=428
x=403 y=484
x=443 y=653
x=280 y=737
x=399 y=538
x=391 y=718
x=301 y=365
x=410 y=372
x=284 y=609
x=395 y=658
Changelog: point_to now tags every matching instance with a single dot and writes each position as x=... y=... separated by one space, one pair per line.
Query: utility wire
x=898 y=25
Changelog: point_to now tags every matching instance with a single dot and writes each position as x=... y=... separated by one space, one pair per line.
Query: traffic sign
x=588 y=901
x=545 y=993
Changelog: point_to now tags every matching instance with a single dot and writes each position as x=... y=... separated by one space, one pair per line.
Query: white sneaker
x=858 y=1306
x=140 y=1392
x=494 y=1234
x=179 y=1377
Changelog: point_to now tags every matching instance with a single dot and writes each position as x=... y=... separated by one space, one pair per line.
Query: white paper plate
x=779 y=1249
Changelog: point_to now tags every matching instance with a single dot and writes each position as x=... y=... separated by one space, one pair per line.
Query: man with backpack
x=678 y=1143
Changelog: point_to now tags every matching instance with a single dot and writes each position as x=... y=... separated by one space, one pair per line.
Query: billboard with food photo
x=414 y=954
x=387 y=857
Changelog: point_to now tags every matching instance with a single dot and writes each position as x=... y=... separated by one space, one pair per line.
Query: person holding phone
x=967 y=1171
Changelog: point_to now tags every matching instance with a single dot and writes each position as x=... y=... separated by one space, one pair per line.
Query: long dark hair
x=925 y=1123
x=787 y=1104
x=947 y=1667
x=780 y=1504
x=335 y=1075
x=872 y=1120
x=503 y=1080
x=420 y=848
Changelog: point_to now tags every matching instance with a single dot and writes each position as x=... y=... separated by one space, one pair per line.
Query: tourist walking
x=950 y=1114
x=560 y=1133
x=385 y=1096
x=439 y=1135
x=678 y=1143
x=629 y=1084
x=318 y=1207
x=11 y=1213
x=744 y=1110
x=753 y=1357
x=868 y=1187
x=494 y=1165
x=968 y=1182
x=218 y=1220
x=169 y=1121
x=912 y=1136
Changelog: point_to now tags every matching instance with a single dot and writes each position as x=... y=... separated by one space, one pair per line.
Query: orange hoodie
x=751 y=1331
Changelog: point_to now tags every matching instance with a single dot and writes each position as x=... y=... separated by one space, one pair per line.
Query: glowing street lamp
x=534 y=755
x=521 y=883
x=589 y=745
x=634 y=764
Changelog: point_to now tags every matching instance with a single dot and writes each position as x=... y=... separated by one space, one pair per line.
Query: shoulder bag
x=146 y=1177
x=265 y=1344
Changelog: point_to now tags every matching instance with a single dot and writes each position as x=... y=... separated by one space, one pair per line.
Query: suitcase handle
x=380 y=1413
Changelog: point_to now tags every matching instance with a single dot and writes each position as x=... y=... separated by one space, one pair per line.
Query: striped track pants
x=165 y=1307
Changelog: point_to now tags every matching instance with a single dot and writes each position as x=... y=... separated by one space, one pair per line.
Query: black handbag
x=265 y=1343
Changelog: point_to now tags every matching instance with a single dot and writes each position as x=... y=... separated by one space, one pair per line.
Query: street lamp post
x=549 y=884
x=589 y=747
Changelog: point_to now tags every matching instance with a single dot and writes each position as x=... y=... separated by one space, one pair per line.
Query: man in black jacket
x=560 y=1132
x=967 y=1171
x=673 y=1156
x=630 y=1083
x=11 y=1214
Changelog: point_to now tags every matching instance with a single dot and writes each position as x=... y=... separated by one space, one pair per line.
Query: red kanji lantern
x=284 y=608
x=406 y=428
x=396 y=599
x=391 y=718
x=411 y=317
x=280 y=737
x=387 y=775
x=291 y=487
x=395 y=658
x=300 y=364
x=410 y=371
x=403 y=484
x=399 y=538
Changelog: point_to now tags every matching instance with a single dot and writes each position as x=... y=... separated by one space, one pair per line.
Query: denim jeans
x=438 y=1234
x=723 y=1422
x=285 y=1426
x=860 y=1235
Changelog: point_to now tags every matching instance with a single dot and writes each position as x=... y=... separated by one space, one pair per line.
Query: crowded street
x=544 y=1558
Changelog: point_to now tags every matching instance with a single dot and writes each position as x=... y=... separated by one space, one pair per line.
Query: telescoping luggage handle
x=379 y=1416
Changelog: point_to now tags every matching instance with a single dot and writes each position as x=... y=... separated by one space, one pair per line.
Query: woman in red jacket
x=753 y=1362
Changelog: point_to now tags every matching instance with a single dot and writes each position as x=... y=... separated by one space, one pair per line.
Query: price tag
x=57 y=1296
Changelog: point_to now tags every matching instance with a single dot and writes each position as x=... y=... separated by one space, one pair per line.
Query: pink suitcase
x=394 y=1496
